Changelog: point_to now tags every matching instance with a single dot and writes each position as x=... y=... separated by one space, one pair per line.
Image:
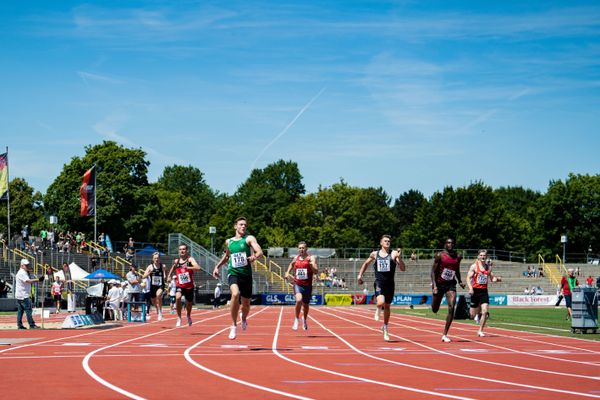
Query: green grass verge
x=540 y=320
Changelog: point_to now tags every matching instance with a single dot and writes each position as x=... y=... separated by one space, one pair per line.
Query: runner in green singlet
x=240 y=252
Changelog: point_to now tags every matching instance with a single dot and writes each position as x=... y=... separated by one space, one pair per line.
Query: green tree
x=26 y=208
x=125 y=206
x=405 y=208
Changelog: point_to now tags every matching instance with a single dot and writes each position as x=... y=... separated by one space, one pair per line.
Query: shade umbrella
x=102 y=274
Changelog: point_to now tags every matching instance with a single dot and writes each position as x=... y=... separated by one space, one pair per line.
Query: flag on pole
x=88 y=193
x=4 y=176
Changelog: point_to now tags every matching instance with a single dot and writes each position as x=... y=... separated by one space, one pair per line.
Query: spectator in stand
x=51 y=238
x=3 y=289
x=567 y=283
x=129 y=249
x=526 y=291
x=44 y=237
x=217 y=300
x=57 y=288
x=590 y=281
x=541 y=271
x=598 y=283
x=539 y=291
x=413 y=256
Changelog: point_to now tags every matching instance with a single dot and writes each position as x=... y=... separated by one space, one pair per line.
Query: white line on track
x=230 y=378
x=493 y=345
x=367 y=380
x=97 y=378
x=463 y=327
x=572 y=393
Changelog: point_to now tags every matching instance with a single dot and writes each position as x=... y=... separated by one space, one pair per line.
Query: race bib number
x=448 y=274
x=239 y=260
x=482 y=279
x=301 y=274
x=383 y=265
x=184 y=277
x=156 y=280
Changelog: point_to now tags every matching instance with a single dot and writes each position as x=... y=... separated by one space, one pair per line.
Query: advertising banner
x=338 y=299
x=282 y=298
x=531 y=300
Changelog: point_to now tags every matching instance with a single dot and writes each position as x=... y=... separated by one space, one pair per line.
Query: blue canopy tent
x=149 y=250
x=102 y=274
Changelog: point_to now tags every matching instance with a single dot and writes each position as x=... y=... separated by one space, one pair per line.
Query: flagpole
x=95 y=207
x=8 y=197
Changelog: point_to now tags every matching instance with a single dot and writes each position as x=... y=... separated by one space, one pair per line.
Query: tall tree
x=124 y=205
x=26 y=208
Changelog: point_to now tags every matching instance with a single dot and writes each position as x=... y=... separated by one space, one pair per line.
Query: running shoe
x=189 y=321
x=477 y=318
x=34 y=327
x=244 y=324
x=160 y=317
x=446 y=339
x=232 y=332
x=480 y=334
x=304 y=324
x=386 y=335
x=178 y=324
x=22 y=327
x=377 y=311
x=295 y=326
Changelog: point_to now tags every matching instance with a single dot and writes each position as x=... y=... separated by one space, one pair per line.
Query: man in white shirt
x=114 y=298
x=23 y=281
x=217 y=300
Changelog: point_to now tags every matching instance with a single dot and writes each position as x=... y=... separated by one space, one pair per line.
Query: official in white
x=23 y=281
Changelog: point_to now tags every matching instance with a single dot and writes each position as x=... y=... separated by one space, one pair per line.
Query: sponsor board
x=282 y=298
x=531 y=300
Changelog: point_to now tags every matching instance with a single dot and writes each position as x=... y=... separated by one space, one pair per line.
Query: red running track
x=343 y=355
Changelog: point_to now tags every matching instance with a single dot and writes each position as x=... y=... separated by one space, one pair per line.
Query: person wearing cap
x=567 y=283
x=217 y=299
x=23 y=281
x=113 y=298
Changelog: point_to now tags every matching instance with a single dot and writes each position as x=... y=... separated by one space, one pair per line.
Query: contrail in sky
x=287 y=127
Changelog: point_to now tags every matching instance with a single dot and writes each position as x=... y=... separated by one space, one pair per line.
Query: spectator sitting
x=526 y=291
x=541 y=271
x=589 y=281
x=539 y=291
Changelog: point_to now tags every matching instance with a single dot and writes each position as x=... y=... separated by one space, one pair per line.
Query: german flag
x=87 y=192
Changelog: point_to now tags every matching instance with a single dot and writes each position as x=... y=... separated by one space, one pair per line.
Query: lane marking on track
x=79 y=344
x=364 y=315
x=230 y=378
x=450 y=354
x=315 y=347
x=462 y=326
x=367 y=380
x=234 y=346
x=330 y=381
x=95 y=332
x=484 y=390
x=392 y=348
x=475 y=350
x=154 y=345
x=86 y=360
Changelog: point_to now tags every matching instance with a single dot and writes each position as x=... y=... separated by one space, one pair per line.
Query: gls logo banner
x=281 y=298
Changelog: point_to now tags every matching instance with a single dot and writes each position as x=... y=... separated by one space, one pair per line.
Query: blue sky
x=399 y=94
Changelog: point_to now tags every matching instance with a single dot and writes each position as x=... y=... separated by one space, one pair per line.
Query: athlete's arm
x=195 y=265
x=257 y=251
x=495 y=278
x=223 y=260
x=287 y=273
x=147 y=272
x=470 y=277
x=434 y=267
x=398 y=259
x=460 y=282
x=313 y=264
x=363 y=267
x=170 y=275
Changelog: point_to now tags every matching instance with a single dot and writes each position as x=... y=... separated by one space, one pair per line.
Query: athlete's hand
x=359 y=280
x=435 y=290
x=471 y=291
x=287 y=276
x=462 y=285
x=216 y=273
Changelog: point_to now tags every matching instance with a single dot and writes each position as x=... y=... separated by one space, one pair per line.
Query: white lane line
x=97 y=378
x=83 y=334
x=230 y=378
x=430 y=321
x=449 y=354
x=358 y=378
x=498 y=347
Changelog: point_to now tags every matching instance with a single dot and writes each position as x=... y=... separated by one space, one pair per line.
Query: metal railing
x=204 y=257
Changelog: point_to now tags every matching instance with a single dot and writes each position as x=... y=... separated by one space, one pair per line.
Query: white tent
x=77 y=273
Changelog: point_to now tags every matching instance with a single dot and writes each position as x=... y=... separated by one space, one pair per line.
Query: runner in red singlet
x=305 y=266
x=444 y=274
x=478 y=278
x=184 y=267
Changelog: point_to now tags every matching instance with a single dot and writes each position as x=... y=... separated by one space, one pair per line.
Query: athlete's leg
x=178 y=304
x=158 y=301
x=298 y=304
x=475 y=310
x=484 y=316
x=235 y=302
x=451 y=299
x=386 y=313
x=436 y=300
x=245 y=308
x=305 y=307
